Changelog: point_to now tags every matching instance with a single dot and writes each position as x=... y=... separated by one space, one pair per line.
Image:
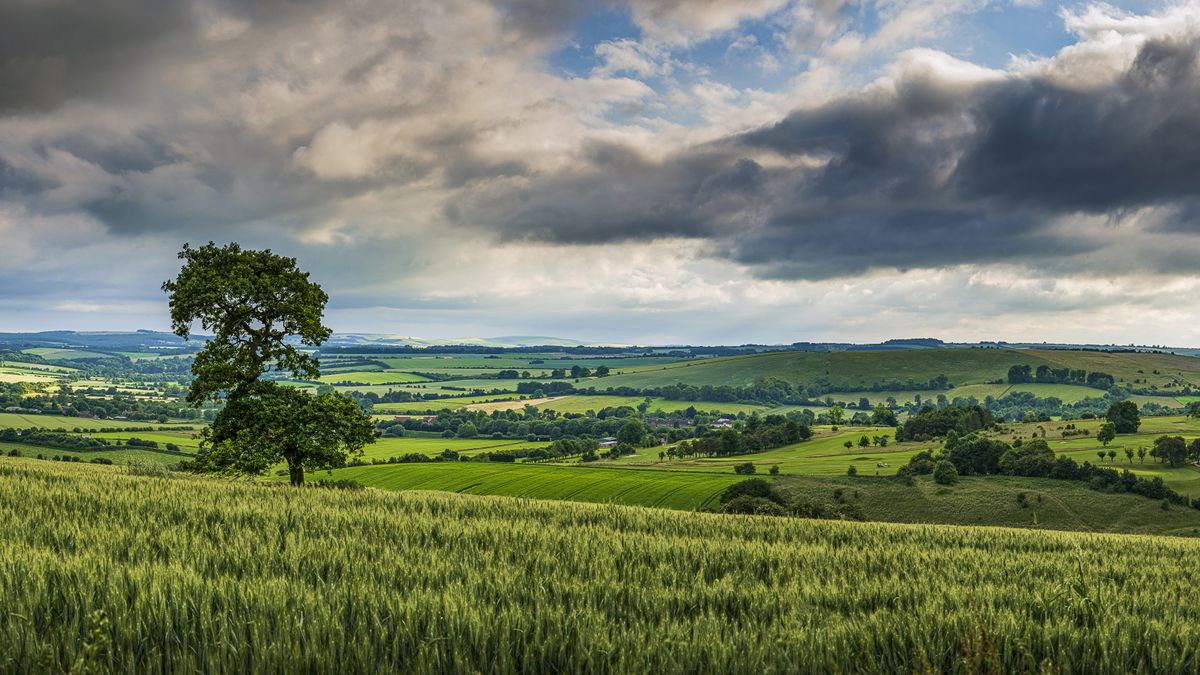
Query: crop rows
x=100 y=570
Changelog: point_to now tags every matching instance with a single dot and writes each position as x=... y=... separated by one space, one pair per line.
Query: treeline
x=43 y=438
x=1046 y=375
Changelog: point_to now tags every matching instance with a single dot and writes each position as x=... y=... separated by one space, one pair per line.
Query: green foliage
x=1124 y=416
x=268 y=423
x=1107 y=433
x=250 y=301
x=1033 y=458
x=1170 y=449
x=944 y=473
x=932 y=423
x=975 y=454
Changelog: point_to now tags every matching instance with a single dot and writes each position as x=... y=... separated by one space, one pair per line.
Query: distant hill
x=859 y=369
x=378 y=339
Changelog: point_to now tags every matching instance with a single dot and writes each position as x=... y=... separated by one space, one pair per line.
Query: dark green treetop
x=250 y=301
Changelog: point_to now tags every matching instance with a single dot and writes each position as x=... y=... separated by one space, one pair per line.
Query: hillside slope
x=861 y=370
x=104 y=571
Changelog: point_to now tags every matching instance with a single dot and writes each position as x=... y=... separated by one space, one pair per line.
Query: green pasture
x=372 y=377
x=65 y=354
x=664 y=489
x=393 y=447
x=21 y=421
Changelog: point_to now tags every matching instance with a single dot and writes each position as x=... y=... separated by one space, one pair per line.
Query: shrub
x=340 y=484
x=755 y=487
x=852 y=471
x=746 y=504
x=744 y=469
x=945 y=473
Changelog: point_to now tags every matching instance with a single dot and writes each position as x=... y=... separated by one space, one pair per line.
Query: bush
x=340 y=484
x=746 y=504
x=755 y=487
x=852 y=471
x=744 y=469
x=945 y=473
x=774 y=470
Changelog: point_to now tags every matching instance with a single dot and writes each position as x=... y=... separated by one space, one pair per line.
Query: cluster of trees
x=1046 y=375
x=63 y=458
x=101 y=403
x=974 y=454
x=760 y=497
x=757 y=435
x=932 y=423
x=1174 y=450
x=51 y=439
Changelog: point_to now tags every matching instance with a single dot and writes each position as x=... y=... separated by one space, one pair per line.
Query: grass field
x=393 y=447
x=865 y=368
x=64 y=354
x=104 y=571
x=453 y=403
x=372 y=377
x=664 y=489
x=117 y=456
x=20 y=421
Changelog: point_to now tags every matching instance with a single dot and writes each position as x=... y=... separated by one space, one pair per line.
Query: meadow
x=663 y=489
x=104 y=571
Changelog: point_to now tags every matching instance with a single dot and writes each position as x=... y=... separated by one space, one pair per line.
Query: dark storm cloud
x=938 y=171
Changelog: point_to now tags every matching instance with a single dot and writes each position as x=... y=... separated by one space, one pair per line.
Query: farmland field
x=372 y=377
x=665 y=489
x=208 y=575
x=23 y=421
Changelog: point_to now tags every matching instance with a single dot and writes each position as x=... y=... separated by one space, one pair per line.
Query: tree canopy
x=252 y=302
x=1124 y=416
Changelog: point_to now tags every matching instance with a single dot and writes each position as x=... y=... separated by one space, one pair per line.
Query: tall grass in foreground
x=101 y=570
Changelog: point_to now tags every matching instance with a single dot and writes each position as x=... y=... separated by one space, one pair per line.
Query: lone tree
x=1107 y=433
x=251 y=301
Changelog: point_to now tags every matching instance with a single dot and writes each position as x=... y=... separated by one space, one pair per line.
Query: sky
x=647 y=171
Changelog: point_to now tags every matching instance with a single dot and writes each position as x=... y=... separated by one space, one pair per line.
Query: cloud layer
x=501 y=164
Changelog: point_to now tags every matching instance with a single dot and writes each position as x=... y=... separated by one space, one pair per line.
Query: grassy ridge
x=1005 y=501
x=862 y=369
x=204 y=575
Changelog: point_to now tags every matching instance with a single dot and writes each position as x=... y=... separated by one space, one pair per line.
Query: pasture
x=64 y=423
x=204 y=575
x=663 y=489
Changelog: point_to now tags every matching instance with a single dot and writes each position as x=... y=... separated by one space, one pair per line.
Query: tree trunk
x=295 y=472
